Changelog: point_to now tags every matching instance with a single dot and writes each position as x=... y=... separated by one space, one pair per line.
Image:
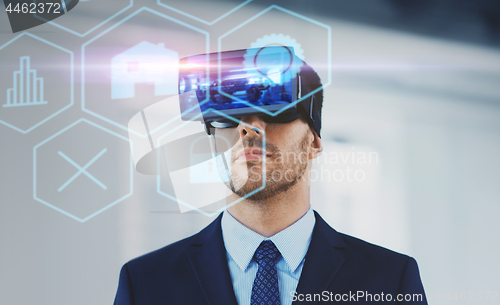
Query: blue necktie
x=265 y=290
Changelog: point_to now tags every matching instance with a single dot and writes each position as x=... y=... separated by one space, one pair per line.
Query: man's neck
x=272 y=215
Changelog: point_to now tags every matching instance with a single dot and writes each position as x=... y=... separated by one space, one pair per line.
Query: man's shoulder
x=370 y=267
x=172 y=257
x=362 y=257
x=358 y=250
x=170 y=253
x=162 y=264
x=364 y=250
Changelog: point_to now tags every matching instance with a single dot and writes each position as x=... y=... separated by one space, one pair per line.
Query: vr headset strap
x=307 y=105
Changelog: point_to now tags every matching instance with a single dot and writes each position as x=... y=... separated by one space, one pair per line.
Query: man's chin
x=257 y=196
x=254 y=187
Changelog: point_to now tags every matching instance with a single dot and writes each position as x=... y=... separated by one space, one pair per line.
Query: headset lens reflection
x=214 y=172
x=204 y=170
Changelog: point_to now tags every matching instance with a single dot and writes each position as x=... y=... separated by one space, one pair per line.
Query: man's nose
x=251 y=126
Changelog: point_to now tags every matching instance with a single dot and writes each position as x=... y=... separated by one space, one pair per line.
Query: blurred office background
x=413 y=83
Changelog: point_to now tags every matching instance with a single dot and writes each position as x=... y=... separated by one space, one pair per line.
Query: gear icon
x=292 y=68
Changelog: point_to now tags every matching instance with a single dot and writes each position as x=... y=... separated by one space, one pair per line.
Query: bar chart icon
x=27 y=89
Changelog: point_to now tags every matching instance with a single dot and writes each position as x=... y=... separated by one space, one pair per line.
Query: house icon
x=144 y=63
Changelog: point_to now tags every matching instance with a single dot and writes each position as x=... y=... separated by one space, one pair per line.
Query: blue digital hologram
x=27 y=89
x=82 y=170
x=37 y=90
x=145 y=62
x=303 y=97
x=70 y=202
x=189 y=205
x=161 y=3
x=92 y=29
x=85 y=106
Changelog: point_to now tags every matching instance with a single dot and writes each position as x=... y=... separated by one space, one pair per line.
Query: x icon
x=82 y=170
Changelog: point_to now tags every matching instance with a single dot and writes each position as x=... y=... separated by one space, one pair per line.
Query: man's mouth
x=251 y=154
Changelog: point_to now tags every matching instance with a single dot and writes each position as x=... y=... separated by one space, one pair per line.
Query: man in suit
x=272 y=248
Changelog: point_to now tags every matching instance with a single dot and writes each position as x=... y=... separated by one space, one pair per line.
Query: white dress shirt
x=241 y=244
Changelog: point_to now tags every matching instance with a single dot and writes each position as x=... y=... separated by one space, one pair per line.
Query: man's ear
x=316 y=146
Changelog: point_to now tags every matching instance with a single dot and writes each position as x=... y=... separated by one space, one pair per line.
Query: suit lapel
x=323 y=259
x=209 y=262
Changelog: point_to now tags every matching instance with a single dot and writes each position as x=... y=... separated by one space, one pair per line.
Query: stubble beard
x=282 y=173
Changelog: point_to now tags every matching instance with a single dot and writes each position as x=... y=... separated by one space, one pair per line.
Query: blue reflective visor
x=260 y=81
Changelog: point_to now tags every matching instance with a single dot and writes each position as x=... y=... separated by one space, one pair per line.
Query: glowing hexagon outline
x=199 y=19
x=207 y=71
x=328 y=83
x=158 y=187
x=72 y=95
x=89 y=31
x=257 y=46
x=102 y=209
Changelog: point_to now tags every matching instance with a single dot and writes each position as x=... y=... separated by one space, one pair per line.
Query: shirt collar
x=293 y=242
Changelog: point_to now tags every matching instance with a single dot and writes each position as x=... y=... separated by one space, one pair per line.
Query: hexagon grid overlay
x=34 y=92
x=134 y=73
x=83 y=21
x=166 y=4
x=162 y=140
x=82 y=170
x=277 y=39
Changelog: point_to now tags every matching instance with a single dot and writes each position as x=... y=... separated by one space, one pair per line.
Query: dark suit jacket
x=195 y=271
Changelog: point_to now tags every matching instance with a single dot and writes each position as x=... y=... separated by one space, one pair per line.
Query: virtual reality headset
x=270 y=82
x=219 y=89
